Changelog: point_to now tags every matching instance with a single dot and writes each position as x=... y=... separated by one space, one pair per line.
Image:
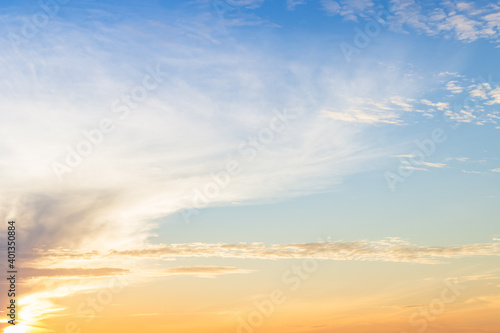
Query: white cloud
x=493 y=20
x=291 y=4
x=432 y=165
x=402 y=103
x=406 y=164
x=472 y=172
x=405 y=156
x=440 y=105
x=454 y=87
x=371 y=111
x=463 y=116
x=479 y=90
x=410 y=167
x=349 y=9
x=462 y=6
x=330 y=6
x=460 y=159
x=454 y=74
x=363 y=116
x=465 y=28
x=495 y=95
x=464 y=21
x=169 y=144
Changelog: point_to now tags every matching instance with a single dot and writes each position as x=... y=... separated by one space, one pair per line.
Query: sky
x=251 y=166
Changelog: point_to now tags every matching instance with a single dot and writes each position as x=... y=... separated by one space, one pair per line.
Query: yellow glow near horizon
x=20 y=328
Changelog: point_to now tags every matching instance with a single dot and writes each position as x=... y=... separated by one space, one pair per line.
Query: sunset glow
x=250 y=166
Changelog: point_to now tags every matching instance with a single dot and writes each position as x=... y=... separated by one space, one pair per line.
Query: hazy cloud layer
x=204 y=271
x=390 y=249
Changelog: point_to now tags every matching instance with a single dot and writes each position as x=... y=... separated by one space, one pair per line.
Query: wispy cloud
x=411 y=167
x=72 y=272
x=390 y=249
x=495 y=96
x=466 y=22
x=440 y=105
x=433 y=165
x=291 y=4
x=479 y=90
x=480 y=277
x=473 y=172
x=454 y=87
x=371 y=111
x=182 y=133
x=204 y=271
x=350 y=9
x=459 y=159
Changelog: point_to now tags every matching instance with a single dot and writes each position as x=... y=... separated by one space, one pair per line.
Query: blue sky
x=227 y=67
x=138 y=126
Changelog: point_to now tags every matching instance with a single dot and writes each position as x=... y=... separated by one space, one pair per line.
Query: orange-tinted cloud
x=389 y=250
